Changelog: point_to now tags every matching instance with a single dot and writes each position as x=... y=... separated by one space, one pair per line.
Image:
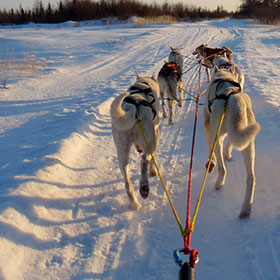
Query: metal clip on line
x=186 y=272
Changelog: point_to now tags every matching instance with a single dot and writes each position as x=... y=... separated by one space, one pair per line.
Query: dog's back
x=125 y=108
x=240 y=122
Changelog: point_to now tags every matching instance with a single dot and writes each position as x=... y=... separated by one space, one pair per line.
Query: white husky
x=170 y=78
x=140 y=102
x=222 y=62
x=239 y=125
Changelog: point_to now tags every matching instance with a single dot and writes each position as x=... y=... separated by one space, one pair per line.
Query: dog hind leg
x=248 y=155
x=207 y=137
x=153 y=170
x=144 y=183
x=207 y=70
x=171 y=104
x=124 y=167
x=180 y=88
x=221 y=165
x=163 y=105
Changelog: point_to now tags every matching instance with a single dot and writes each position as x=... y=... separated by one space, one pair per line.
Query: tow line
x=187 y=269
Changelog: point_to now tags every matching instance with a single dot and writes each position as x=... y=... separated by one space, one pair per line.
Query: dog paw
x=144 y=190
x=228 y=157
x=245 y=213
x=138 y=149
x=135 y=205
x=218 y=186
x=212 y=166
x=153 y=172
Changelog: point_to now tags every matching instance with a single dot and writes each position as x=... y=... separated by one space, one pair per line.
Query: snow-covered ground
x=63 y=208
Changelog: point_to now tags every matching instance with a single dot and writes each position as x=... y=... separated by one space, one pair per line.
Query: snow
x=63 y=208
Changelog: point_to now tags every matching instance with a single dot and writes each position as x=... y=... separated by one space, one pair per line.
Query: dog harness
x=211 y=53
x=129 y=99
x=226 y=96
x=225 y=65
x=170 y=68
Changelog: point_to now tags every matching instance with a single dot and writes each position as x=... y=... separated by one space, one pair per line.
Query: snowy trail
x=64 y=211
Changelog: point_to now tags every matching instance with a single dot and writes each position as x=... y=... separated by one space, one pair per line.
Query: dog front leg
x=207 y=133
x=144 y=183
x=228 y=151
x=248 y=155
x=207 y=70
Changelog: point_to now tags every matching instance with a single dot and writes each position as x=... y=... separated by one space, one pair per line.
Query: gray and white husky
x=169 y=79
x=140 y=102
x=239 y=126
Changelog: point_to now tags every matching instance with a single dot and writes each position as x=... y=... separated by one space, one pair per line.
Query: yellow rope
x=206 y=173
x=162 y=182
x=194 y=97
x=187 y=231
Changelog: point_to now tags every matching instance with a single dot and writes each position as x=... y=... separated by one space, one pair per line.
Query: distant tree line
x=266 y=11
x=79 y=10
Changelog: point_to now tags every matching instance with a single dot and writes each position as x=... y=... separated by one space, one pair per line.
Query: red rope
x=214 y=54
x=187 y=238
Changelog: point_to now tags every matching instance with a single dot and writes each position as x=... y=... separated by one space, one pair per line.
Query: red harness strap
x=225 y=65
x=210 y=53
x=172 y=67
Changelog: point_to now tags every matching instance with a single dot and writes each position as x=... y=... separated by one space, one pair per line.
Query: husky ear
x=216 y=69
x=138 y=76
x=171 y=49
x=154 y=77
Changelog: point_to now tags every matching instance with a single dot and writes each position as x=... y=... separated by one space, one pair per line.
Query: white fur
x=222 y=62
x=168 y=85
x=239 y=125
x=126 y=132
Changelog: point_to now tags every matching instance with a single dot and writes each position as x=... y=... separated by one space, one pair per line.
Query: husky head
x=225 y=74
x=145 y=82
x=176 y=56
x=199 y=51
x=176 y=51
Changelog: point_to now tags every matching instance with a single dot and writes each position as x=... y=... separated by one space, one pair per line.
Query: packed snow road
x=64 y=211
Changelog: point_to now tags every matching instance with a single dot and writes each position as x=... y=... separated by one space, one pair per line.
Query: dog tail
x=123 y=117
x=240 y=132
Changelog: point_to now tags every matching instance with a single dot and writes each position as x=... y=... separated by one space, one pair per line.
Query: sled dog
x=239 y=126
x=222 y=62
x=140 y=102
x=170 y=78
x=209 y=53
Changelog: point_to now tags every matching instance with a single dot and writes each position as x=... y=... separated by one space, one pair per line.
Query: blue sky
x=229 y=5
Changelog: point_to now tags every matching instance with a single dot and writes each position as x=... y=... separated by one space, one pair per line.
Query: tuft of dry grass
x=14 y=68
x=141 y=22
